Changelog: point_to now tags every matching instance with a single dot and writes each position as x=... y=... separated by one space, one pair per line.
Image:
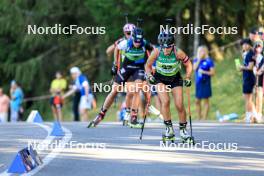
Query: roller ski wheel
x=188 y=140
x=168 y=139
x=136 y=125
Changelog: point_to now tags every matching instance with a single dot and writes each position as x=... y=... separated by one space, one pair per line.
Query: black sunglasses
x=136 y=41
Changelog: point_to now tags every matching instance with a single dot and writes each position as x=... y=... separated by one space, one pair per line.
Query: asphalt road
x=114 y=150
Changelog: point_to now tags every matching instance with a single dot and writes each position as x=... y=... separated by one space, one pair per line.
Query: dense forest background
x=32 y=60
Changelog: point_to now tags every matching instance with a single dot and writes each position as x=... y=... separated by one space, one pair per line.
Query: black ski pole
x=139 y=22
x=169 y=21
x=190 y=114
x=145 y=115
x=126 y=17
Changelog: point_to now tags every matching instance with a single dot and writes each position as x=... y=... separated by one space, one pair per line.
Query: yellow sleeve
x=52 y=85
x=64 y=84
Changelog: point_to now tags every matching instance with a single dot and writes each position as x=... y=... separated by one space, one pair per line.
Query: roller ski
x=134 y=123
x=168 y=135
x=97 y=120
x=184 y=136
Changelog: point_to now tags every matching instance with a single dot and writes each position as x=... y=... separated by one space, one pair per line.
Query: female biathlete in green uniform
x=168 y=66
x=135 y=50
x=127 y=29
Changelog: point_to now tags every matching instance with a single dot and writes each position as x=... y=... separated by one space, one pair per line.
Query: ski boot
x=169 y=134
x=126 y=117
x=134 y=122
x=184 y=136
x=97 y=120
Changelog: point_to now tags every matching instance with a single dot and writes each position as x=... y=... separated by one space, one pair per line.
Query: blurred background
x=32 y=60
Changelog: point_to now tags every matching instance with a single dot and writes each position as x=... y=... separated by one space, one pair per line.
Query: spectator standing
x=258 y=71
x=248 y=79
x=17 y=96
x=57 y=88
x=4 y=106
x=81 y=84
x=204 y=70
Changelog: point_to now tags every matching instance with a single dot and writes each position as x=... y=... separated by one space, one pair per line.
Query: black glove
x=187 y=82
x=151 y=79
x=114 y=70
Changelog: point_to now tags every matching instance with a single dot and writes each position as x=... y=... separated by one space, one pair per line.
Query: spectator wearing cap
x=17 y=96
x=254 y=35
x=81 y=84
x=248 y=79
x=4 y=106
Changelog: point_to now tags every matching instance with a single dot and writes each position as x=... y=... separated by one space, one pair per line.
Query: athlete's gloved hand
x=151 y=79
x=187 y=82
x=114 y=70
